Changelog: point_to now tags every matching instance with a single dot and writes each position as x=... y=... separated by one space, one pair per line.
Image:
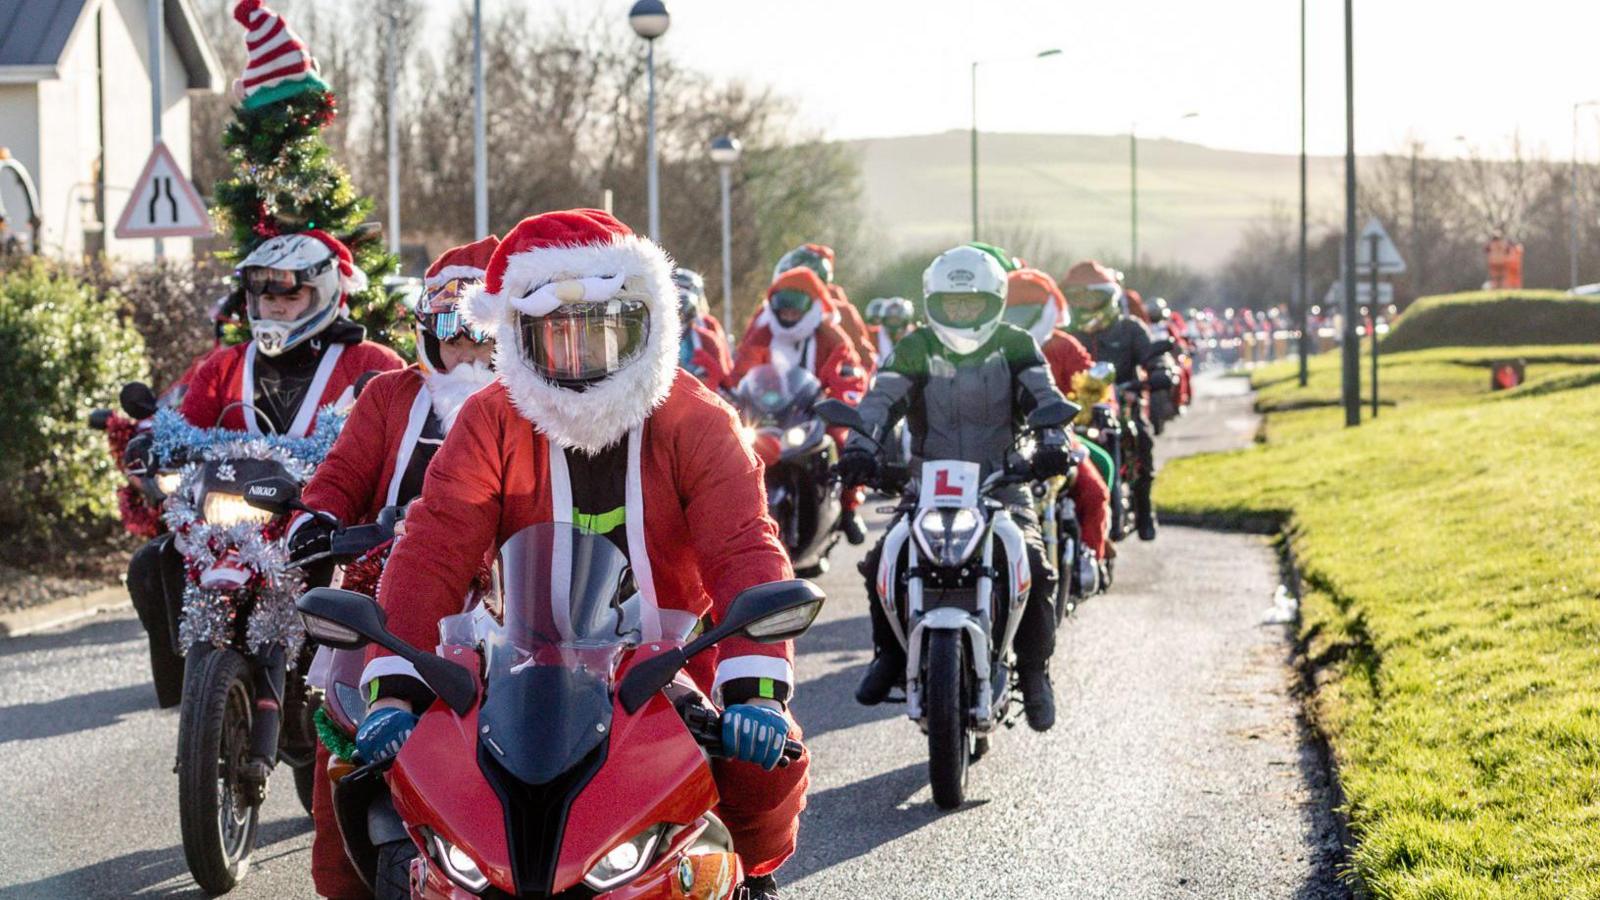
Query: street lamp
x=480 y=150
x=1040 y=55
x=1572 y=223
x=391 y=62
x=1302 y=289
x=725 y=152
x=649 y=19
x=1133 y=188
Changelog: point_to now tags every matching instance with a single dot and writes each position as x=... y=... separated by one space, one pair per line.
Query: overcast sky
x=1428 y=69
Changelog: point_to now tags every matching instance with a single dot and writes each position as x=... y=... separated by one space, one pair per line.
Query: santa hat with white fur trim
x=469 y=262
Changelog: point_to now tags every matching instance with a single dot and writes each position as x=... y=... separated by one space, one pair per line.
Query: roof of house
x=34 y=34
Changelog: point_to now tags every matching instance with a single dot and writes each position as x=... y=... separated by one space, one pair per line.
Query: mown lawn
x=1452 y=610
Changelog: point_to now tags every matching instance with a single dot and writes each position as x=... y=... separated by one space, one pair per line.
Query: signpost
x=1376 y=256
x=163 y=203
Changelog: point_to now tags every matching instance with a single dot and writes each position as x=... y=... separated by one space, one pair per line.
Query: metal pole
x=653 y=187
x=1133 y=196
x=1372 y=324
x=1414 y=244
x=1572 y=220
x=726 y=173
x=391 y=65
x=1302 y=290
x=974 y=149
x=1352 y=348
x=158 y=31
x=480 y=150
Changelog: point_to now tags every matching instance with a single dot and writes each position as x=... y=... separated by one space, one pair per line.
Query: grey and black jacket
x=1128 y=346
x=968 y=407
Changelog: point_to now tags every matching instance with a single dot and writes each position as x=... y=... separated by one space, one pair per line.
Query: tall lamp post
x=1351 y=349
x=480 y=152
x=1572 y=223
x=649 y=19
x=1056 y=51
x=390 y=64
x=1302 y=289
x=725 y=152
x=1133 y=189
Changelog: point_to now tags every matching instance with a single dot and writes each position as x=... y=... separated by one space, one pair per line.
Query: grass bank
x=1452 y=609
x=1496 y=318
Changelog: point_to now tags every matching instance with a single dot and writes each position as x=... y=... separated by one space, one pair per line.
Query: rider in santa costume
x=379 y=460
x=304 y=353
x=794 y=329
x=592 y=422
x=838 y=310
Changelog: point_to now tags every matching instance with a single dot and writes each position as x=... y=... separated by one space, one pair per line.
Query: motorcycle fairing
x=888 y=572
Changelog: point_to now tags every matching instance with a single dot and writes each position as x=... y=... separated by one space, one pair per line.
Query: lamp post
x=1351 y=349
x=390 y=65
x=1055 y=51
x=480 y=152
x=1301 y=288
x=649 y=19
x=1133 y=189
x=725 y=152
x=157 y=35
x=1572 y=220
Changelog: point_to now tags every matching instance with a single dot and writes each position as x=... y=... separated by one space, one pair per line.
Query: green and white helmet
x=965 y=296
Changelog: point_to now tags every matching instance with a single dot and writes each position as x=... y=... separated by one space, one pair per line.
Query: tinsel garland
x=209 y=615
x=138 y=518
x=334 y=738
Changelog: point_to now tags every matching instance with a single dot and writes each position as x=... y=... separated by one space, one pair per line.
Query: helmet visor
x=266 y=280
x=1023 y=315
x=790 y=307
x=585 y=342
x=1089 y=297
x=964 y=310
x=439 y=315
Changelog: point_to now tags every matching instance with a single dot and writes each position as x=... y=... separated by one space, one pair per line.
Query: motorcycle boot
x=855 y=530
x=1144 y=513
x=759 y=887
x=1038 y=698
x=886 y=672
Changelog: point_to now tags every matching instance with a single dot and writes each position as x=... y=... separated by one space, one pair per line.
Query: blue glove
x=381 y=735
x=754 y=734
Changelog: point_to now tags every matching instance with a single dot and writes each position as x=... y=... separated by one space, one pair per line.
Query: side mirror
x=138 y=400
x=276 y=495
x=772 y=612
x=1053 y=414
x=841 y=414
x=346 y=620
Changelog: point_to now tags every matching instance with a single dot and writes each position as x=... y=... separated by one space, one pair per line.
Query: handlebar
x=705 y=724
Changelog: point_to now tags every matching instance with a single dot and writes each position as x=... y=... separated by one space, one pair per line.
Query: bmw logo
x=686 y=875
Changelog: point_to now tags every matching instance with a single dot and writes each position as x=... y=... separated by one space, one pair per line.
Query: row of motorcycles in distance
x=607 y=792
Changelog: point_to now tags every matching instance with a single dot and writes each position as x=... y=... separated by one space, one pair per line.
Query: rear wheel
x=217 y=808
x=945 y=696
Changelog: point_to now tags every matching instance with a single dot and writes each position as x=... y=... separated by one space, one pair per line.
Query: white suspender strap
x=638 y=551
x=313 y=400
x=408 y=444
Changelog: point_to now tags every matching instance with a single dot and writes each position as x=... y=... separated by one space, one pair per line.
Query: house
x=75 y=112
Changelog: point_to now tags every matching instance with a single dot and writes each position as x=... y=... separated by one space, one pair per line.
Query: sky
x=1432 y=71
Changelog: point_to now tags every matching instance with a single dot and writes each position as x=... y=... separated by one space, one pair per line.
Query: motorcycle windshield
x=551 y=662
x=778 y=395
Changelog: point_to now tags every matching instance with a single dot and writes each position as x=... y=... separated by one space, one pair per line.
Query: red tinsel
x=138 y=518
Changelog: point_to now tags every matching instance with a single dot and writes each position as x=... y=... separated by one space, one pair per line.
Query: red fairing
x=220 y=381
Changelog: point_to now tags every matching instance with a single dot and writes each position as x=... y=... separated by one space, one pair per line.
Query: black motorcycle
x=802 y=495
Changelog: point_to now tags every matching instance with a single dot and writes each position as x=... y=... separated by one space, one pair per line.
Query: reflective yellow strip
x=767 y=689
x=600 y=523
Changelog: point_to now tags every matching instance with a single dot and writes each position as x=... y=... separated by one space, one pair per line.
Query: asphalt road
x=1179 y=766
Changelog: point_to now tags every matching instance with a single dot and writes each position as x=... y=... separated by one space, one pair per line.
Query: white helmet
x=964 y=274
x=283 y=265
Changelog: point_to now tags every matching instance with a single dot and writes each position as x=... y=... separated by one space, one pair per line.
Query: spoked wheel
x=946 y=698
x=217 y=809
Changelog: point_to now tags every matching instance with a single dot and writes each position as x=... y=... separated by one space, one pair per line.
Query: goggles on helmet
x=260 y=280
x=438 y=313
x=581 y=343
x=1088 y=297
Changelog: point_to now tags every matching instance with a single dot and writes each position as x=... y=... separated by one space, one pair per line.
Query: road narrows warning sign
x=163 y=203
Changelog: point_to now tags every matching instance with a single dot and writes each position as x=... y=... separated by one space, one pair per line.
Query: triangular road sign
x=1389 y=261
x=163 y=202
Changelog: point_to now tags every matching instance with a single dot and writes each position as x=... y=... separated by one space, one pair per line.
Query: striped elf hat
x=280 y=66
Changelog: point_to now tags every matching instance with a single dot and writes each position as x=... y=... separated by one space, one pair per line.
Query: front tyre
x=945 y=701
x=305 y=782
x=216 y=810
x=392 y=880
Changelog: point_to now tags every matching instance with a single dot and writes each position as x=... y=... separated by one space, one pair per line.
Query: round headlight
x=794 y=437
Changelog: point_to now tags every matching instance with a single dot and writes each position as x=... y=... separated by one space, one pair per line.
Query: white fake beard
x=448 y=391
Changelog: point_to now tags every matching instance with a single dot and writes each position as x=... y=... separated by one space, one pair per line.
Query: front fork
x=271 y=672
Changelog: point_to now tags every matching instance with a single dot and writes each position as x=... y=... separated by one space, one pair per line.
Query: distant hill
x=1194 y=201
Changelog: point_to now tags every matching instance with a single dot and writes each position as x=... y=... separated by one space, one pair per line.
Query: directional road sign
x=163 y=203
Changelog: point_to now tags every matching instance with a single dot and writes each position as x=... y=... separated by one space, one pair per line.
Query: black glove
x=136 y=457
x=310 y=539
x=1053 y=457
x=857 y=467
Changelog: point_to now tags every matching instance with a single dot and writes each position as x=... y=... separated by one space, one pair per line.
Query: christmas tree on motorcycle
x=285 y=180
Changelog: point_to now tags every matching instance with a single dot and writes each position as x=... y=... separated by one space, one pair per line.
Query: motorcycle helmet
x=312 y=266
x=691 y=295
x=1035 y=304
x=438 y=316
x=964 y=291
x=796 y=303
x=874 y=311
x=1094 y=298
x=897 y=316
x=816 y=257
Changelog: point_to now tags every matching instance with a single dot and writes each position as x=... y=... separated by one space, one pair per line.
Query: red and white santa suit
x=379 y=460
x=707 y=347
x=1067 y=357
x=814 y=343
x=526 y=451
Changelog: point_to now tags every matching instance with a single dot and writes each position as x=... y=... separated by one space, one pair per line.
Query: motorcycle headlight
x=948 y=535
x=226 y=510
x=625 y=861
x=457 y=865
x=167 y=482
x=795 y=437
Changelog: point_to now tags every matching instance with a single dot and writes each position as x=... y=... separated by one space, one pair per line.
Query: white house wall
x=19 y=133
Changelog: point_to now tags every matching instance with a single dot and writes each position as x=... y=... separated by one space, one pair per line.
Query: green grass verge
x=1451 y=617
x=1496 y=318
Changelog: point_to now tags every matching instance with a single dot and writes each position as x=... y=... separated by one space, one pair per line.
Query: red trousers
x=1092 y=499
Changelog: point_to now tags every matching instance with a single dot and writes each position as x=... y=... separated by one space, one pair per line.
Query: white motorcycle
x=954 y=602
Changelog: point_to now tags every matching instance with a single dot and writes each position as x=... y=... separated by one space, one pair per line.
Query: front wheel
x=392 y=880
x=945 y=701
x=217 y=809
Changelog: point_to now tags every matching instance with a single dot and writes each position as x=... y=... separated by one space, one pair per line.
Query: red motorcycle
x=567 y=755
